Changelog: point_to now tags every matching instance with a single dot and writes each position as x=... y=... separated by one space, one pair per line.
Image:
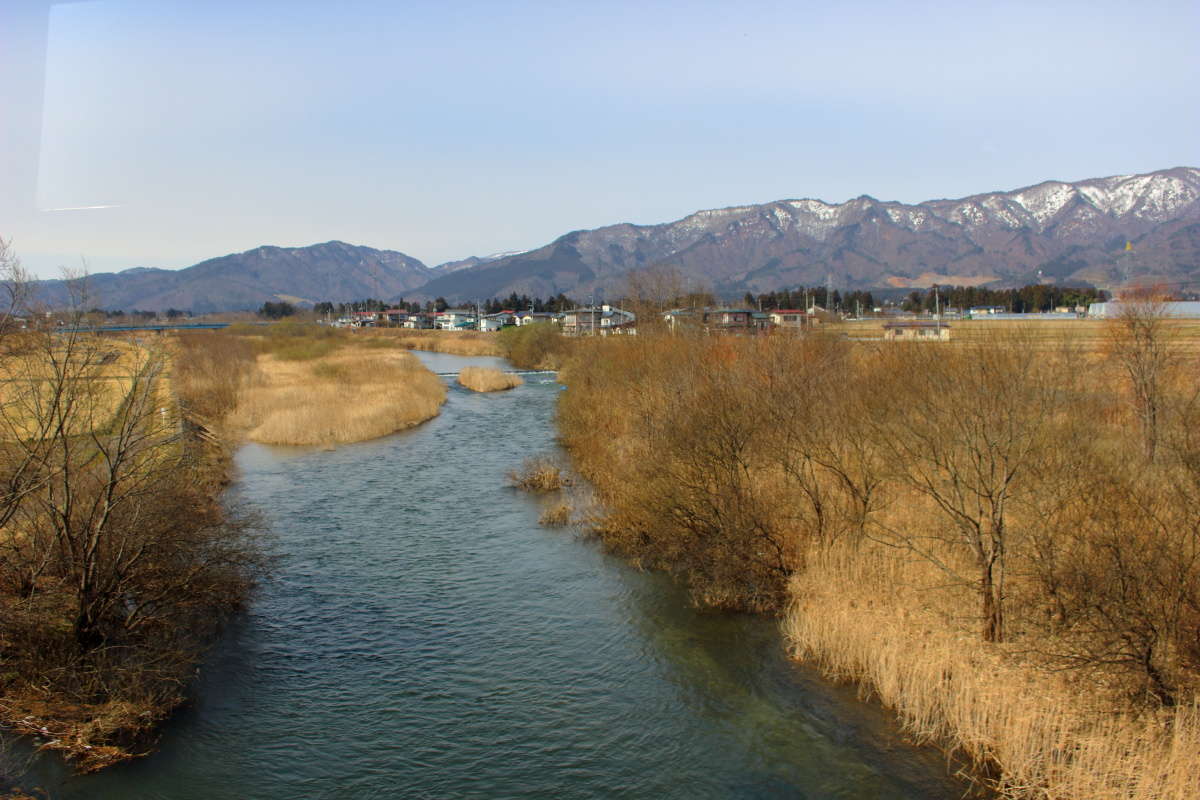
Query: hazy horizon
x=160 y=136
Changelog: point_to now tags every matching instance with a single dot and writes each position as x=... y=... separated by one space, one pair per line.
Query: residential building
x=530 y=317
x=917 y=331
x=454 y=319
x=602 y=320
x=788 y=319
x=494 y=322
x=419 y=321
x=735 y=320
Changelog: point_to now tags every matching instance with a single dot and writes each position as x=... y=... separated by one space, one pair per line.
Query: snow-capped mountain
x=1068 y=232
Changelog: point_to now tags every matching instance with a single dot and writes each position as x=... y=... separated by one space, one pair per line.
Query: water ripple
x=425 y=638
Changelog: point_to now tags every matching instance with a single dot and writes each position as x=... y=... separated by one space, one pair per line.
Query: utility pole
x=937 y=305
x=829 y=292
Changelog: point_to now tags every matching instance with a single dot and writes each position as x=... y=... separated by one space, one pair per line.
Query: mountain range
x=1070 y=233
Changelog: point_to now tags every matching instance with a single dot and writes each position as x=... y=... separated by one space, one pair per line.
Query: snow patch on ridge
x=1044 y=201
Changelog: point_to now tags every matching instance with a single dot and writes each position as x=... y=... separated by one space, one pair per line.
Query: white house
x=494 y=322
x=530 y=317
x=603 y=321
x=788 y=319
x=454 y=319
x=419 y=321
x=917 y=331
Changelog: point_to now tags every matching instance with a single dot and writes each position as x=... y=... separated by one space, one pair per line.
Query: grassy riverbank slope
x=998 y=537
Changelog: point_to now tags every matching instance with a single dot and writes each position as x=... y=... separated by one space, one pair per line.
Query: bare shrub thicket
x=537 y=346
x=539 y=474
x=1008 y=499
x=116 y=561
x=211 y=372
x=1140 y=344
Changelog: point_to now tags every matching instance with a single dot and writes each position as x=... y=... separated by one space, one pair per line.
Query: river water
x=425 y=638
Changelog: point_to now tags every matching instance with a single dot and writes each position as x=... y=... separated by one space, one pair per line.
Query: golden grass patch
x=459 y=343
x=539 y=474
x=1051 y=734
x=488 y=379
x=556 y=515
x=349 y=396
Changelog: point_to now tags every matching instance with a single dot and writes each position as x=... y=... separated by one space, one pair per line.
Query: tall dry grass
x=304 y=384
x=459 y=343
x=348 y=396
x=211 y=370
x=488 y=379
x=974 y=532
x=1044 y=732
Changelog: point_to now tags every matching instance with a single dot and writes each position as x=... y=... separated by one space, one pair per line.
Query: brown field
x=1088 y=334
x=488 y=379
x=99 y=374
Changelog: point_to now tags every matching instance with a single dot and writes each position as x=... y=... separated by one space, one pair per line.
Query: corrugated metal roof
x=1173 y=308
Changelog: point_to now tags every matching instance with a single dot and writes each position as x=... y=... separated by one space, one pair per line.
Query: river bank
x=831 y=485
x=424 y=635
x=117 y=561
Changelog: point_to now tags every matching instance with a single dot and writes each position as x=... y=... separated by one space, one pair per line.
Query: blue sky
x=447 y=129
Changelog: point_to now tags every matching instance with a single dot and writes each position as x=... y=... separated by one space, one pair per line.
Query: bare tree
x=651 y=291
x=1141 y=344
x=115 y=558
x=16 y=282
x=968 y=429
x=818 y=397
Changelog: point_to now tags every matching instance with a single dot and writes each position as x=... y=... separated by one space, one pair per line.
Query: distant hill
x=467 y=263
x=1070 y=232
x=333 y=271
x=1073 y=233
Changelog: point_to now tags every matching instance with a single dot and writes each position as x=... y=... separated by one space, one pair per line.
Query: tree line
x=1027 y=299
x=852 y=301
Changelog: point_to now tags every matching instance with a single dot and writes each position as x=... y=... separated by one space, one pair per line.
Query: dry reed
x=539 y=474
x=1049 y=734
x=459 y=343
x=556 y=515
x=741 y=467
x=488 y=379
x=349 y=396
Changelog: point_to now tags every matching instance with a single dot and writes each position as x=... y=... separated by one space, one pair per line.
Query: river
x=424 y=637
